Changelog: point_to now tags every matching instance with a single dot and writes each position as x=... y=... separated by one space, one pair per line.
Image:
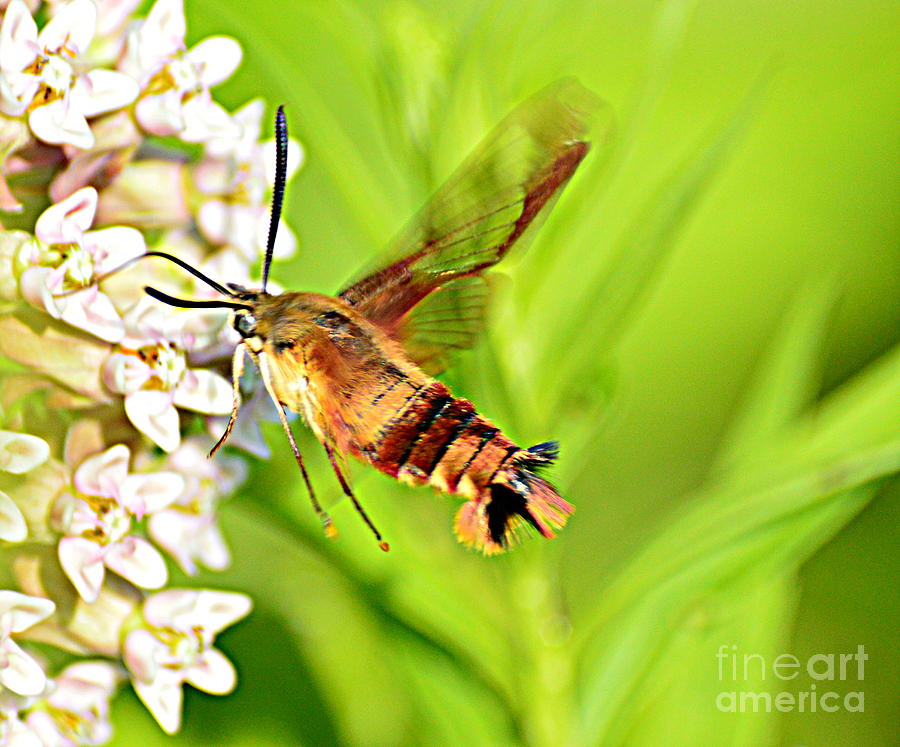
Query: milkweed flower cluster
x=108 y=399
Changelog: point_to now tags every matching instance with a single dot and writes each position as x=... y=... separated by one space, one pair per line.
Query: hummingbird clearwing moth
x=358 y=366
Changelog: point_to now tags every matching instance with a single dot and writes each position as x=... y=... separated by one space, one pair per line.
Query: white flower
x=236 y=174
x=13 y=527
x=175 y=646
x=187 y=529
x=76 y=712
x=150 y=368
x=14 y=732
x=175 y=81
x=110 y=36
x=19 y=453
x=14 y=135
x=98 y=522
x=39 y=74
x=18 y=671
x=65 y=264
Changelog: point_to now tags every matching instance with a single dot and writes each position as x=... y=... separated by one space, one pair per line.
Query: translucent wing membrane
x=493 y=202
x=449 y=319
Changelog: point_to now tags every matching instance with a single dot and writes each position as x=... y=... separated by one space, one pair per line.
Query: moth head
x=244 y=322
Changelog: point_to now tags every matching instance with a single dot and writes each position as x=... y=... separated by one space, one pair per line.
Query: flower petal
x=146 y=494
x=212 y=673
x=162 y=33
x=71 y=27
x=154 y=415
x=204 y=391
x=66 y=221
x=20 y=673
x=12 y=524
x=163 y=699
x=204 y=118
x=21 y=452
x=21 y=611
x=111 y=247
x=142 y=653
x=101 y=674
x=217 y=58
x=18 y=734
x=161 y=114
x=138 y=561
x=104 y=473
x=125 y=373
x=186 y=536
x=61 y=123
x=216 y=610
x=214 y=220
x=92 y=311
x=185 y=608
x=174 y=531
x=18 y=38
x=17 y=91
x=82 y=560
x=104 y=90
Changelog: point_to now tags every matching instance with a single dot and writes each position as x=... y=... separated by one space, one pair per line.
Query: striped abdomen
x=422 y=434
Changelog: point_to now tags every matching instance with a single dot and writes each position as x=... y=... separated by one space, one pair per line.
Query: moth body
x=361 y=394
x=358 y=367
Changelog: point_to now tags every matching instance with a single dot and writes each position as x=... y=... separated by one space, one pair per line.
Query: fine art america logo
x=813 y=692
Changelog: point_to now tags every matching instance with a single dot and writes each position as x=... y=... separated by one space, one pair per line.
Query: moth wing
x=494 y=201
x=448 y=320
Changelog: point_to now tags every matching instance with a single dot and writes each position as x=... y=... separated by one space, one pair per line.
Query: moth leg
x=263 y=365
x=237 y=370
x=345 y=486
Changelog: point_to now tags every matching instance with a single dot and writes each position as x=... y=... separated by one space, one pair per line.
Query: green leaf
x=788 y=377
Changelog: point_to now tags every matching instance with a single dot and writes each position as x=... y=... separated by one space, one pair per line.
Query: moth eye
x=245 y=324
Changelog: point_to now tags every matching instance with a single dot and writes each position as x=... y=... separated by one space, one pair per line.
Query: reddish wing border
x=473 y=221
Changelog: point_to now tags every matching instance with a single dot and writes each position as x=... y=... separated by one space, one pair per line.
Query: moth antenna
x=356 y=504
x=180 y=262
x=183 y=303
x=281 y=156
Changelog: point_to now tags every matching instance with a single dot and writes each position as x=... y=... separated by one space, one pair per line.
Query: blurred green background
x=708 y=323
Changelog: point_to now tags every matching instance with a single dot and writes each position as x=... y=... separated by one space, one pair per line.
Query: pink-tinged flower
x=19 y=672
x=116 y=137
x=109 y=37
x=14 y=732
x=40 y=76
x=175 y=646
x=14 y=135
x=76 y=712
x=32 y=5
x=97 y=522
x=85 y=628
x=62 y=268
x=150 y=368
x=175 y=81
x=187 y=529
x=13 y=527
x=19 y=453
x=234 y=176
x=149 y=193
